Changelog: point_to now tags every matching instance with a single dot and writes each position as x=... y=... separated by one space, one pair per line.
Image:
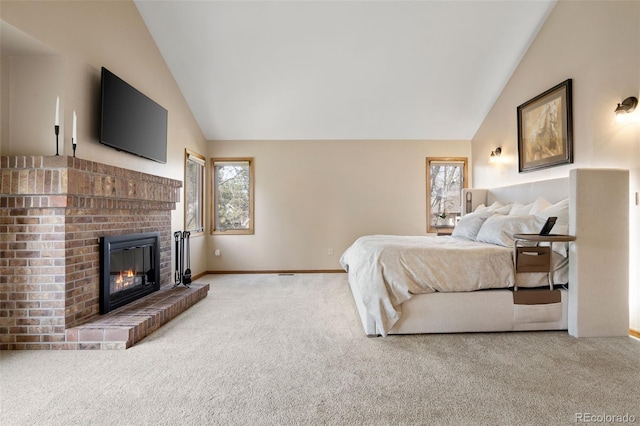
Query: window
x=194 y=192
x=232 y=209
x=446 y=177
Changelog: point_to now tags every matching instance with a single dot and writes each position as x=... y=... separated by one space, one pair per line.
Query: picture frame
x=545 y=129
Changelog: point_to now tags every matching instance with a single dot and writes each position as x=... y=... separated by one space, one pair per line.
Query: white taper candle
x=74 y=134
x=57 y=122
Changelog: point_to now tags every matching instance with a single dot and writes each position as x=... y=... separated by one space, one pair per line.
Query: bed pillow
x=520 y=210
x=481 y=208
x=492 y=208
x=539 y=205
x=499 y=229
x=496 y=208
x=469 y=225
x=503 y=210
x=561 y=211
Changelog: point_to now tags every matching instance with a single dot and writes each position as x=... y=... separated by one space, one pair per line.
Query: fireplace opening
x=129 y=269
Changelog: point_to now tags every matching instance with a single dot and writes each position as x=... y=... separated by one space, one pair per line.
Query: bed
x=448 y=284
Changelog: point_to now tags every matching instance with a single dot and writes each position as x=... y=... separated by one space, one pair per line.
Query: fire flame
x=124 y=280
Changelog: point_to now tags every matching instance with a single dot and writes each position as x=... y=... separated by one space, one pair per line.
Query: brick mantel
x=52 y=212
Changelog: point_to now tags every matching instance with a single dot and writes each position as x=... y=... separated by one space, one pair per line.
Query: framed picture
x=545 y=129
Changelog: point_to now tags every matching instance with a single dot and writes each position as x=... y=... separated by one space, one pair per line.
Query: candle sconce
x=56 y=129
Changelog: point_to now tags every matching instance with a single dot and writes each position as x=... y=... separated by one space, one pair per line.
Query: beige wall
x=313 y=196
x=31 y=78
x=597 y=44
x=86 y=36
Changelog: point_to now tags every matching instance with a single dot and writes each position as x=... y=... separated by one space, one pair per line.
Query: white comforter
x=387 y=270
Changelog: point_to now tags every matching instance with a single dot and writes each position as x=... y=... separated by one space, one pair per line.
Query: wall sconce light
x=496 y=153
x=626 y=107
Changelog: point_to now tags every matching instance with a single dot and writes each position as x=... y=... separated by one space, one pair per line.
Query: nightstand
x=536 y=258
x=443 y=229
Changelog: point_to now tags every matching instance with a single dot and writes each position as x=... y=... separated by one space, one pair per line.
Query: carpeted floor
x=280 y=350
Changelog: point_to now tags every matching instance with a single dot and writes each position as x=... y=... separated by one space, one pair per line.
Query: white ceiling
x=342 y=69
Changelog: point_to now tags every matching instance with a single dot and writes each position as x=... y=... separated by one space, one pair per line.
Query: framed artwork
x=545 y=129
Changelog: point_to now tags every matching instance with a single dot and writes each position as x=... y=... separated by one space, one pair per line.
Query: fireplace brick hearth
x=53 y=210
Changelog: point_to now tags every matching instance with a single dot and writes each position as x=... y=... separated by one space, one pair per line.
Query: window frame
x=250 y=230
x=465 y=179
x=201 y=161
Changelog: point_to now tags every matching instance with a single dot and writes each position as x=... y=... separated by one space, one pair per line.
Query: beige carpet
x=269 y=349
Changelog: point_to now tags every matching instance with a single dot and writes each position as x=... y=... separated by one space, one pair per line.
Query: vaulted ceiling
x=342 y=69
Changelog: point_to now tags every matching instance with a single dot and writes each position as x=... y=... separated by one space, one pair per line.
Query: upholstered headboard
x=553 y=190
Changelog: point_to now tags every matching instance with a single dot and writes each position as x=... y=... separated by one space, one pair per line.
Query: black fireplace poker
x=182 y=276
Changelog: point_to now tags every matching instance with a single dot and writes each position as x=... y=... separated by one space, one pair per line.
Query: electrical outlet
x=216 y=252
x=330 y=251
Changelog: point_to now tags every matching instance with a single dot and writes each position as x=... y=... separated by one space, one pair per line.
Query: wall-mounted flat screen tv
x=130 y=121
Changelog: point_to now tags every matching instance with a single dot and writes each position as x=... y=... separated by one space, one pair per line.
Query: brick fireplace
x=53 y=211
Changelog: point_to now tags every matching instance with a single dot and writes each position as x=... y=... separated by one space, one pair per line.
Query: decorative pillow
x=493 y=208
x=469 y=225
x=520 y=210
x=503 y=210
x=499 y=229
x=481 y=208
x=561 y=211
x=538 y=205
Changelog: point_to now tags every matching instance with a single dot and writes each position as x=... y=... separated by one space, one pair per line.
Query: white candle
x=57 y=123
x=74 y=136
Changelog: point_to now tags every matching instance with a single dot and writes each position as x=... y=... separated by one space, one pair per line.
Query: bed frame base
x=479 y=311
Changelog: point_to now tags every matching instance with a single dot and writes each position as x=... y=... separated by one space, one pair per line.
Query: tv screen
x=130 y=121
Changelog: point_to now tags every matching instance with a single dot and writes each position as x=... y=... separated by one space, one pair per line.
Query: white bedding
x=389 y=269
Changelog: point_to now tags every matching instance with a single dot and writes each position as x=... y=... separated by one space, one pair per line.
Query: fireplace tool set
x=182 y=276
